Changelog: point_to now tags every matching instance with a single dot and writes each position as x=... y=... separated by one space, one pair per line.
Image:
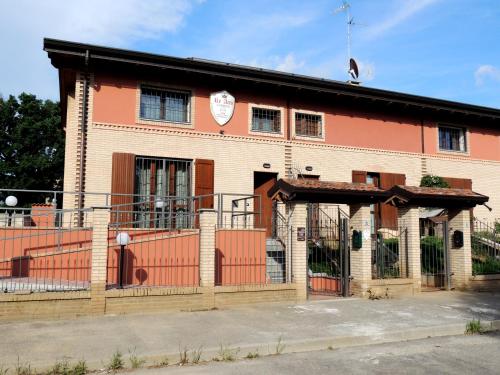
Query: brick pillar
x=208 y=221
x=298 y=218
x=460 y=257
x=98 y=273
x=409 y=219
x=361 y=259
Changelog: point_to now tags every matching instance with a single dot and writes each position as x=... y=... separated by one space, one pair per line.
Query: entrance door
x=262 y=183
x=434 y=258
x=328 y=252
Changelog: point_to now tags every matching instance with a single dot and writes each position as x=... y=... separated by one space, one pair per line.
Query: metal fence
x=389 y=253
x=152 y=250
x=42 y=250
x=485 y=242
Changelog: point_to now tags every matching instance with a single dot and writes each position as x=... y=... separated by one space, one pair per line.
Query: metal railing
x=485 y=243
x=389 y=253
x=41 y=249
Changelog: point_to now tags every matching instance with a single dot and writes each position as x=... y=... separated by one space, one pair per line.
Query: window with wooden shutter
x=122 y=187
x=459 y=183
x=388 y=213
x=359 y=176
x=204 y=183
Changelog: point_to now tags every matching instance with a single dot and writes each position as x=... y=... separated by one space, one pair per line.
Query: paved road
x=450 y=355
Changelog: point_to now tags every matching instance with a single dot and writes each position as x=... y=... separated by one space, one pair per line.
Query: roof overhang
x=401 y=196
x=64 y=54
x=314 y=191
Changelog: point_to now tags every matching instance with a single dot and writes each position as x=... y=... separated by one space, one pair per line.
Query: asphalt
x=439 y=355
x=310 y=326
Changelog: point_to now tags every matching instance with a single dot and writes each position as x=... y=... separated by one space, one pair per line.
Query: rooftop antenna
x=352 y=70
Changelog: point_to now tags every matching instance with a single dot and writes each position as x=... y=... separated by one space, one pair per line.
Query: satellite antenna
x=353 y=70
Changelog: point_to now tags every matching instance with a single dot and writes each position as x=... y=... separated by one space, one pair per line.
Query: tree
x=31 y=146
x=433 y=181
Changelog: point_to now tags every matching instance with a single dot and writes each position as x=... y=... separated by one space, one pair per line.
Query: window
x=266 y=120
x=165 y=180
x=308 y=125
x=452 y=139
x=164 y=105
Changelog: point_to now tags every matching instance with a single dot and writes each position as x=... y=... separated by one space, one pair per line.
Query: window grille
x=452 y=139
x=164 y=105
x=266 y=120
x=308 y=125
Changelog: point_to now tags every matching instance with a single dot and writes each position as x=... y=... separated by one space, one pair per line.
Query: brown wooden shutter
x=388 y=213
x=359 y=176
x=204 y=183
x=459 y=183
x=122 y=182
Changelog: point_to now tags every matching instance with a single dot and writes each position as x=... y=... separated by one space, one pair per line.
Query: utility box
x=357 y=239
x=458 y=238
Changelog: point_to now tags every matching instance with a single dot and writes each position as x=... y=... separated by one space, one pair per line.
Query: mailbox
x=357 y=239
x=458 y=238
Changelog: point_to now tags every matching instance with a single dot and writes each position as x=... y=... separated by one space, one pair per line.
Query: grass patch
x=3 y=370
x=163 y=362
x=473 y=327
x=23 y=368
x=116 y=362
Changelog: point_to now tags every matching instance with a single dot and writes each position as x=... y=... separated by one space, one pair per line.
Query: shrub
x=116 y=362
x=433 y=181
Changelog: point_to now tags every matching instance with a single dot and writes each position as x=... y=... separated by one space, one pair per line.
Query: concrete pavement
x=314 y=325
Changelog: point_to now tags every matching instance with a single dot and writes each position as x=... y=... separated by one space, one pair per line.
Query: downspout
x=422 y=135
x=83 y=134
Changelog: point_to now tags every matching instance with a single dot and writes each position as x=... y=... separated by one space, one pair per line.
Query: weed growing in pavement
x=3 y=370
x=473 y=327
x=116 y=362
x=330 y=347
x=23 y=368
x=196 y=355
x=252 y=355
x=80 y=368
x=163 y=362
x=280 y=346
x=183 y=355
x=227 y=354
x=135 y=361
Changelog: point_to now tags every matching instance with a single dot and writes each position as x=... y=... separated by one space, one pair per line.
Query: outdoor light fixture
x=11 y=201
x=159 y=203
x=123 y=240
x=266 y=165
x=309 y=168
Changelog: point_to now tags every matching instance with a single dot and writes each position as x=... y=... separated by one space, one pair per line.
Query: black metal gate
x=434 y=258
x=328 y=251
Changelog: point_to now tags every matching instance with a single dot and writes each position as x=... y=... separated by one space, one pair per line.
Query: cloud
x=23 y=24
x=407 y=9
x=366 y=70
x=486 y=72
x=290 y=64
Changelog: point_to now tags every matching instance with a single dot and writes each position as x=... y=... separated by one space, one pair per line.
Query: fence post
x=409 y=218
x=460 y=256
x=361 y=259
x=208 y=222
x=101 y=216
x=299 y=247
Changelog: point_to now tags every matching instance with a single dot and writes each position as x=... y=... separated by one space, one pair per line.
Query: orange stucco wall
x=116 y=102
x=156 y=258
x=240 y=256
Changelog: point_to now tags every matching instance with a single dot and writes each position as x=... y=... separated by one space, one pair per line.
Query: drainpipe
x=422 y=135
x=83 y=135
x=288 y=122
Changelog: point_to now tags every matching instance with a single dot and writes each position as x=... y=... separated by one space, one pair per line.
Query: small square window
x=308 y=125
x=266 y=120
x=452 y=139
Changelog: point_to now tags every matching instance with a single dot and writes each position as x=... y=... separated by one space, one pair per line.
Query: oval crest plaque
x=222 y=106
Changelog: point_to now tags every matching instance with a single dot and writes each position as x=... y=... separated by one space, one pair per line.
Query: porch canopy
x=401 y=195
x=315 y=191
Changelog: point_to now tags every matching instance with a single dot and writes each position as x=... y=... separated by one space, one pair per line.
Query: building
x=139 y=123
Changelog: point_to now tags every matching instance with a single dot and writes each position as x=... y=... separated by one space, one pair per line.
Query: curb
x=297 y=346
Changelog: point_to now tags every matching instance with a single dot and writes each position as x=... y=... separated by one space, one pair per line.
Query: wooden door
x=263 y=182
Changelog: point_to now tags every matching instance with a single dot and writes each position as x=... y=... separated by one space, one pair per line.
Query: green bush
x=489 y=266
x=432 y=250
x=433 y=181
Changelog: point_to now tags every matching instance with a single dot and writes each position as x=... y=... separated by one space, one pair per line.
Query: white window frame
x=159 y=86
x=281 y=110
x=308 y=137
x=463 y=143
